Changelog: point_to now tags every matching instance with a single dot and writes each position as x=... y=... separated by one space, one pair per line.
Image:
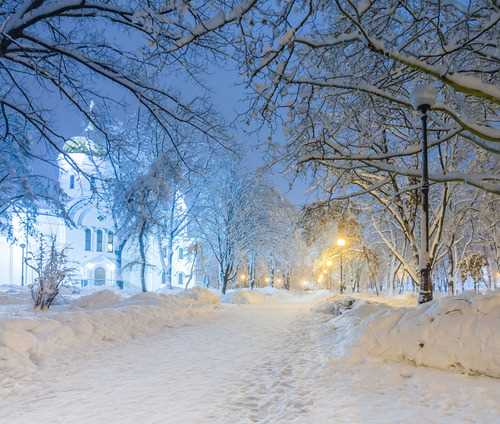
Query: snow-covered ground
x=28 y=338
x=251 y=361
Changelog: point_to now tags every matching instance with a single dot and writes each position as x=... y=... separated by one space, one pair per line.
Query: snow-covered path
x=244 y=364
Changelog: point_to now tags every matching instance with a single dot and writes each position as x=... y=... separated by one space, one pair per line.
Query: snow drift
x=458 y=333
x=270 y=295
x=91 y=320
x=244 y=296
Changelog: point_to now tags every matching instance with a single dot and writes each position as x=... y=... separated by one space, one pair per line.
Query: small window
x=71 y=181
x=88 y=240
x=110 y=242
x=181 y=253
x=180 y=279
x=99 y=240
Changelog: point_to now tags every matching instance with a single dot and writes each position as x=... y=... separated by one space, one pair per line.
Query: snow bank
x=11 y=295
x=98 y=299
x=272 y=295
x=458 y=333
x=91 y=321
x=243 y=296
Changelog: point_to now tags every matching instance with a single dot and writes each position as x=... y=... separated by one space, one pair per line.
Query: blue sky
x=227 y=95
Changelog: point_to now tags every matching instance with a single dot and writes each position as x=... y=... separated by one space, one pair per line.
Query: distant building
x=92 y=242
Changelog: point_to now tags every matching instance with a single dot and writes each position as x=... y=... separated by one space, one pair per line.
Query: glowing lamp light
x=341 y=242
x=328 y=263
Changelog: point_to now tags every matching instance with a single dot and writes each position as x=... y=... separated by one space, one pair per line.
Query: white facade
x=91 y=243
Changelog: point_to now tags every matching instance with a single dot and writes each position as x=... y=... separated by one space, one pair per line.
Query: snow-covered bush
x=51 y=266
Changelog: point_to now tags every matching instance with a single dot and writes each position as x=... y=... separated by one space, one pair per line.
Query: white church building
x=91 y=241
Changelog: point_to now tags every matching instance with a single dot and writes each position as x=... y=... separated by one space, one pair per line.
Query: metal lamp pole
x=424 y=100
x=341 y=274
x=341 y=243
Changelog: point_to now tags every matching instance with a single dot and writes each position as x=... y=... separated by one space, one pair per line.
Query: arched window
x=98 y=246
x=110 y=242
x=100 y=276
x=88 y=240
x=71 y=181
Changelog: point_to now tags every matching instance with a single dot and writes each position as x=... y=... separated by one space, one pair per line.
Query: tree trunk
x=119 y=264
x=451 y=272
x=163 y=261
x=142 y=252
x=170 y=260
x=224 y=281
x=271 y=282
x=192 y=270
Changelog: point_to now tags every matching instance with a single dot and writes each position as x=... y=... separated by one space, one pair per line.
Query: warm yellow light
x=278 y=280
x=341 y=242
x=320 y=279
x=328 y=263
x=243 y=277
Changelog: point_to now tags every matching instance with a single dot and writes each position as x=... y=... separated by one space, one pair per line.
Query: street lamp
x=341 y=243
x=424 y=99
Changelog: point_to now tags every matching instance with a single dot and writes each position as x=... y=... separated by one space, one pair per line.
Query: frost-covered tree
x=223 y=222
x=341 y=74
x=60 y=56
x=339 y=77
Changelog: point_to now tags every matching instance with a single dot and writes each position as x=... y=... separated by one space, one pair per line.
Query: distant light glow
x=341 y=242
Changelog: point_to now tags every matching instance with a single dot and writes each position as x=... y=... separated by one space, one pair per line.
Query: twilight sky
x=228 y=98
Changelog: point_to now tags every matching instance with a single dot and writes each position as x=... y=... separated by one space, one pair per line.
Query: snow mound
x=272 y=295
x=99 y=299
x=11 y=295
x=202 y=295
x=457 y=333
x=247 y=297
x=334 y=306
x=92 y=321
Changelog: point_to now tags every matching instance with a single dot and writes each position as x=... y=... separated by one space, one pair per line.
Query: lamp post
x=424 y=98
x=341 y=244
x=23 y=246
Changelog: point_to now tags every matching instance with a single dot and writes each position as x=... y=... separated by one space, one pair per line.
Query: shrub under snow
x=459 y=333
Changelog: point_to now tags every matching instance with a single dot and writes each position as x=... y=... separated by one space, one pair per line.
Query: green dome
x=83 y=145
